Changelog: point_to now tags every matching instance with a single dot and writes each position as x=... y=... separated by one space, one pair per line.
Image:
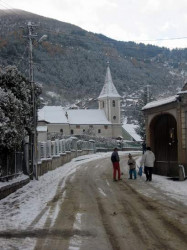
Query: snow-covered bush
x=15 y=108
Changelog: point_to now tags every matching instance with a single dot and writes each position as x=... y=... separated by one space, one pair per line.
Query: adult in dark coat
x=143 y=147
x=116 y=167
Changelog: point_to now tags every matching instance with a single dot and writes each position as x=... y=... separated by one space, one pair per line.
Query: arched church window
x=113 y=103
x=114 y=117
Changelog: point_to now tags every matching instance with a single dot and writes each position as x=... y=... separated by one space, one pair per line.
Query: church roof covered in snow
x=56 y=114
x=52 y=114
x=131 y=130
x=109 y=90
x=160 y=102
x=87 y=116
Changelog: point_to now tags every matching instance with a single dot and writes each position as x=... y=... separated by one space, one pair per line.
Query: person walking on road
x=132 y=167
x=148 y=160
x=143 y=147
x=116 y=167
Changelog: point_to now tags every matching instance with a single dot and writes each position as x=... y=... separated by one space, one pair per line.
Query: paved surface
x=95 y=213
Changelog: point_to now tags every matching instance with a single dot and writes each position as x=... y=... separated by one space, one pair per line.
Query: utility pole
x=33 y=137
x=148 y=93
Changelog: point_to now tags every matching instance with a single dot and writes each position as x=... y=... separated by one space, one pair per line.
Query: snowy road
x=78 y=206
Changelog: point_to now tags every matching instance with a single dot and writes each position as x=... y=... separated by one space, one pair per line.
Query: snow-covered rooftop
x=109 y=90
x=182 y=92
x=87 y=116
x=160 y=102
x=52 y=114
x=130 y=128
x=56 y=114
x=42 y=128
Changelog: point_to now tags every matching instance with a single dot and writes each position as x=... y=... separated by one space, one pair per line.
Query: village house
x=104 y=121
x=166 y=132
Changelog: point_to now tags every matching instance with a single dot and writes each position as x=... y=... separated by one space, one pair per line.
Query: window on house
x=83 y=130
x=77 y=126
x=72 y=132
x=61 y=130
x=90 y=126
x=99 y=131
x=113 y=103
x=114 y=117
x=106 y=126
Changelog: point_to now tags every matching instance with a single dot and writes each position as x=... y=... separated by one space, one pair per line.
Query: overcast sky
x=125 y=20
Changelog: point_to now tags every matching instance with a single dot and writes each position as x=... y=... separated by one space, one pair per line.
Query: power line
x=100 y=41
x=163 y=39
x=146 y=40
x=22 y=57
x=13 y=10
x=10 y=9
x=113 y=42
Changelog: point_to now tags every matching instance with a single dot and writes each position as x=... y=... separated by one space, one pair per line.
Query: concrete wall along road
x=56 y=161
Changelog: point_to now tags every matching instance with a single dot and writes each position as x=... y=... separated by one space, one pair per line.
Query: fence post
x=49 y=148
x=57 y=146
x=15 y=161
x=39 y=151
x=181 y=173
x=26 y=155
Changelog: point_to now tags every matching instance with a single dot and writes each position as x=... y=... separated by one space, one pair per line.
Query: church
x=104 y=121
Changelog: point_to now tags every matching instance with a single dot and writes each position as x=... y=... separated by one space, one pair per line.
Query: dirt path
x=91 y=212
x=97 y=213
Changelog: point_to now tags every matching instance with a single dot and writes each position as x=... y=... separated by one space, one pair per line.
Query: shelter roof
x=160 y=102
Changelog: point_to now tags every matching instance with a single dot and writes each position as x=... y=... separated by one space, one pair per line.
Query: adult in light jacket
x=116 y=167
x=148 y=160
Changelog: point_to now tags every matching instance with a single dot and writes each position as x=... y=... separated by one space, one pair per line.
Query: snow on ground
x=18 y=179
x=19 y=209
x=26 y=203
x=174 y=189
x=102 y=192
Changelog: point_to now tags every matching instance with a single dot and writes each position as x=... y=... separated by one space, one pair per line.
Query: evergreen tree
x=15 y=108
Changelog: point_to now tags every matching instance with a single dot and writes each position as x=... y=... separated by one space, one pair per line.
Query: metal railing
x=11 y=165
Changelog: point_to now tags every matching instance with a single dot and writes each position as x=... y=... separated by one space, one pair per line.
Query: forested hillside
x=71 y=63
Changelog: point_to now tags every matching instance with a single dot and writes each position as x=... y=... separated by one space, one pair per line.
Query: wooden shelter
x=166 y=132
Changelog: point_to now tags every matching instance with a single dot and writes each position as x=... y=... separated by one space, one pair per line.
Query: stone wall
x=56 y=161
x=10 y=188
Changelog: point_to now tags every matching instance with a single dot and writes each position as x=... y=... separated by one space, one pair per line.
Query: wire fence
x=11 y=165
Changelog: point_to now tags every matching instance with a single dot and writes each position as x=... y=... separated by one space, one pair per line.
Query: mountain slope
x=72 y=61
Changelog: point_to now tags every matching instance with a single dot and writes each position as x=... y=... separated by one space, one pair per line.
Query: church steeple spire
x=109 y=90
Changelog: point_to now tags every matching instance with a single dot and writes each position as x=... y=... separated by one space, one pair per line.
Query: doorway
x=163 y=131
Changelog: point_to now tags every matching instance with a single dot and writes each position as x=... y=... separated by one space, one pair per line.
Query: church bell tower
x=109 y=101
